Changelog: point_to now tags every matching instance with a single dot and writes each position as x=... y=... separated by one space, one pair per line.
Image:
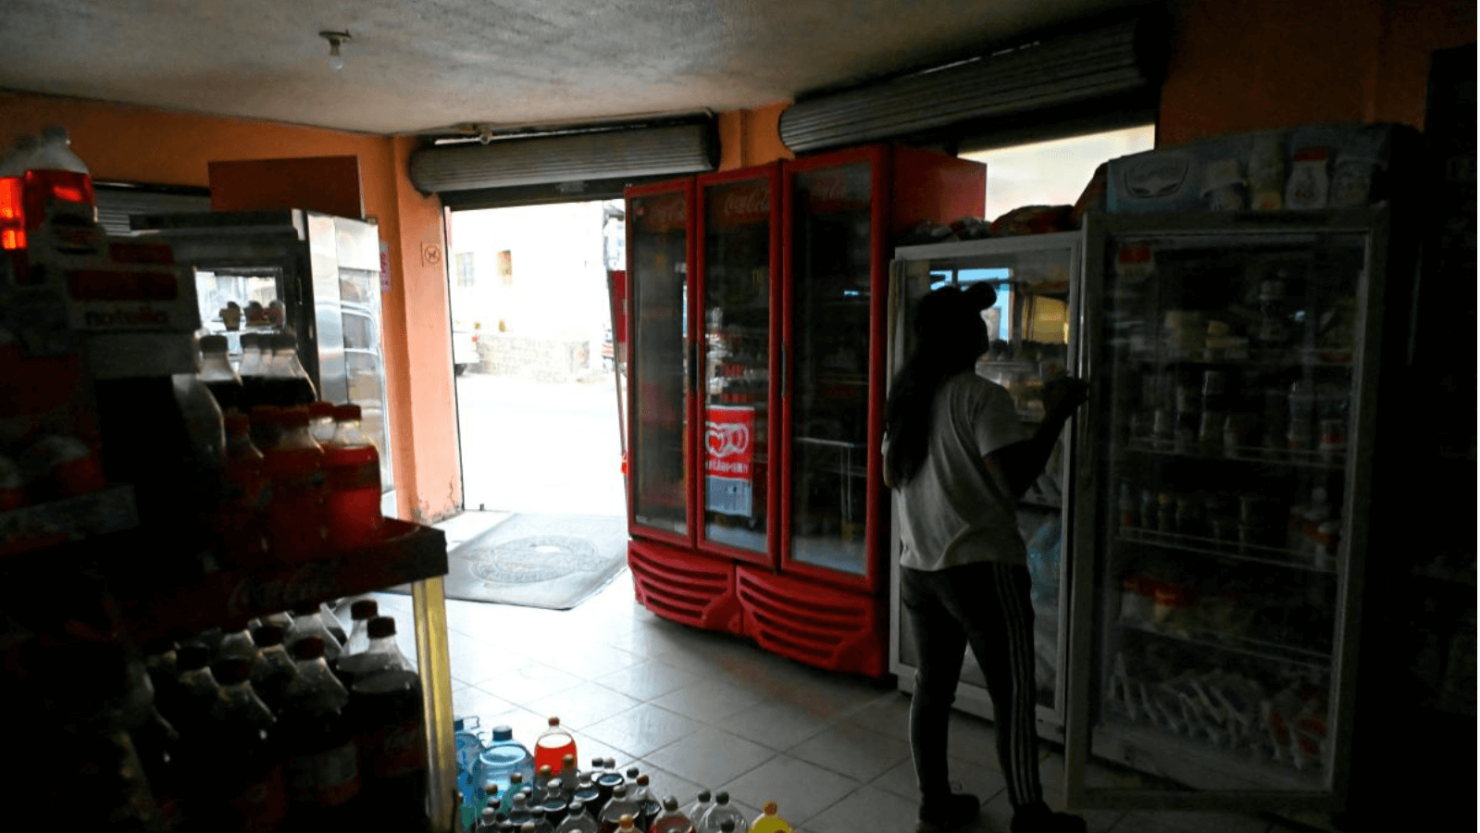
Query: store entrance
x=537 y=404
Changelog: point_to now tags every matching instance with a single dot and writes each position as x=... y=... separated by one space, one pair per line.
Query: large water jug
x=470 y=751
x=504 y=757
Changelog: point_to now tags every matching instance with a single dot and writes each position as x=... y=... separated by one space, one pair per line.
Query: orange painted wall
x=138 y=144
x=750 y=137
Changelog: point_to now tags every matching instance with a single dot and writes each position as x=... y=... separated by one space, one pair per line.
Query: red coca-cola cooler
x=778 y=373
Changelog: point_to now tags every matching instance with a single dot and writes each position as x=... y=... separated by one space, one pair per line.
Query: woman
x=959 y=458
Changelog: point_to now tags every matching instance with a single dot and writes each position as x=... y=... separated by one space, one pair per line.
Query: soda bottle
x=606 y=783
x=251 y=371
x=331 y=621
x=542 y=778
x=671 y=819
x=196 y=692
x=360 y=614
x=42 y=182
x=236 y=642
x=556 y=802
x=273 y=670
x=487 y=821
x=353 y=468
x=551 y=747
x=577 y=819
x=701 y=805
x=769 y=822
x=294 y=469
x=308 y=621
x=625 y=824
x=321 y=421
x=386 y=710
x=285 y=383
x=162 y=664
x=239 y=764
x=382 y=655
x=570 y=777
x=722 y=811
x=647 y=804
x=589 y=796
x=541 y=822
x=13 y=237
x=217 y=375
x=620 y=807
x=321 y=758
x=265 y=430
x=519 y=809
x=240 y=516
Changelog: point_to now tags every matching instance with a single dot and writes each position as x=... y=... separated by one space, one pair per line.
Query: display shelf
x=1245 y=646
x=1316 y=460
x=73 y=519
x=410 y=553
x=1216 y=548
x=1334 y=358
x=1169 y=754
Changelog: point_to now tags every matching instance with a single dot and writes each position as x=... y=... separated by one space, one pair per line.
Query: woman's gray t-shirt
x=954 y=511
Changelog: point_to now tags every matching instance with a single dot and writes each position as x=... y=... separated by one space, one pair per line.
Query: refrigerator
x=1223 y=469
x=1033 y=331
x=325 y=270
x=757 y=392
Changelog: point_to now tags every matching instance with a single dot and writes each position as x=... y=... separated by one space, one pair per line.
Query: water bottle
x=503 y=759
x=701 y=805
x=671 y=819
x=722 y=811
x=647 y=804
x=619 y=808
x=469 y=748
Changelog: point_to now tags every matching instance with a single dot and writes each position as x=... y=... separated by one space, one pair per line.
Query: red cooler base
x=687 y=588
x=813 y=623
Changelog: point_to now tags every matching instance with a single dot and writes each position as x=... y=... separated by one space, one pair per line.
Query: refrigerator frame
x=970 y=697
x=1367 y=368
x=685 y=186
x=772 y=174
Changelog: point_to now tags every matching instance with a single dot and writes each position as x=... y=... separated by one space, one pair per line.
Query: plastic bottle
x=386 y=710
x=648 y=805
x=294 y=469
x=250 y=780
x=206 y=428
x=382 y=655
x=487 y=821
x=252 y=369
x=625 y=824
x=352 y=464
x=331 y=621
x=321 y=421
x=505 y=758
x=240 y=516
x=56 y=182
x=13 y=236
x=722 y=811
x=216 y=373
x=539 y=817
x=588 y=794
x=322 y=760
x=607 y=780
x=551 y=747
x=702 y=804
x=542 y=778
x=671 y=819
x=769 y=822
x=360 y=614
x=236 y=642
x=519 y=809
x=570 y=775
x=273 y=669
x=620 y=807
x=577 y=820
x=265 y=429
x=307 y=621
x=286 y=383
x=197 y=690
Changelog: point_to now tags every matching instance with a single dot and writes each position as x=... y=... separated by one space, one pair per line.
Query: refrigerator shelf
x=1245 y=646
x=1213 y=767
x=1331 y=461
x=1217 y=548
x=1334 y=358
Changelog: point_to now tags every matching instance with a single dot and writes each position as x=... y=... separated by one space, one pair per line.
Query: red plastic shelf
x=684 y=587
x=813 y=623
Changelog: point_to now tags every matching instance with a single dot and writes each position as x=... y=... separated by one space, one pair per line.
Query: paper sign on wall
x=728 y=458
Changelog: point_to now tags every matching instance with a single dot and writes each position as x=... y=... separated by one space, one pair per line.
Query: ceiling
x=422 y=66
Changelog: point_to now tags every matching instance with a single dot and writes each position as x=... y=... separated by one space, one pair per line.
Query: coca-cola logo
x=836 y=191
x=664 y=214
x=746 y=205
x=306 y=584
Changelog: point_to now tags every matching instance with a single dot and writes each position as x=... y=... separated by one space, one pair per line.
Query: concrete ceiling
x=417 y=66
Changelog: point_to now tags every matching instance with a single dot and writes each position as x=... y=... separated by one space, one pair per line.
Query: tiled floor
x=693 y=708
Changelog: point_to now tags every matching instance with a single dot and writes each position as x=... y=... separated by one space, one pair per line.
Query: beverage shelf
x=1315 y=460
x=72 y=519
x=1243 y=645
x=1331 y=358
x=1197 y=762
x=1216 y=548
x=410 y=553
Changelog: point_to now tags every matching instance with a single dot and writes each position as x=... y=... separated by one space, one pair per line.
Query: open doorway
x=538 y=402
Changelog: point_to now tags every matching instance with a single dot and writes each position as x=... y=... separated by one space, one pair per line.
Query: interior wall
x=139 y=144
x=752 y=137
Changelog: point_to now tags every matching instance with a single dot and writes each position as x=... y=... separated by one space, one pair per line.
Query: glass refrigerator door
x=1233 y=364
x=827 y=391
x=1031 y=339
x=658 y=299
x=738 y=226
x=364 y=358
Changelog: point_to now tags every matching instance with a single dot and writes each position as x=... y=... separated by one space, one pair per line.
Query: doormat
x=549 y=561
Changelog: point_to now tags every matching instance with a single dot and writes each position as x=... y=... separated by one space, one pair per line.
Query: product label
x=328 y=779
x=360 y=476
x=396 y=750
x=259 y=807
x=1160 y=175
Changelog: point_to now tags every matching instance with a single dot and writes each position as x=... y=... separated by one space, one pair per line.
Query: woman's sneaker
x=949 y=814
x=1038 y=818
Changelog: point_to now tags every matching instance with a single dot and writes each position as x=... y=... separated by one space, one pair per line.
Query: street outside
x=540 y=447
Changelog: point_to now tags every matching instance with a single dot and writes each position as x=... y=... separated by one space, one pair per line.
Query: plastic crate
x=814 y=623
x=685 y=587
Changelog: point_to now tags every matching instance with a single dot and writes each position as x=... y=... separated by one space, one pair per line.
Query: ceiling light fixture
x=336 y=62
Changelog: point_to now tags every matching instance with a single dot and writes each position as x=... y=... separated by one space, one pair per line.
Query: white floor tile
x=868 y=808
x=710 y=701
x=586 y=704
x=1186 y=822
x=642 y=730
x=527 y=684
x=888 y=715
x=647 y=680
x=967 y=777
x=802 y=790
x=710 y=757
x=777 y=725
x=852 y=751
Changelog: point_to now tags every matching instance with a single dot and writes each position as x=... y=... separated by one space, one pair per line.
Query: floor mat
x=533 y=560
